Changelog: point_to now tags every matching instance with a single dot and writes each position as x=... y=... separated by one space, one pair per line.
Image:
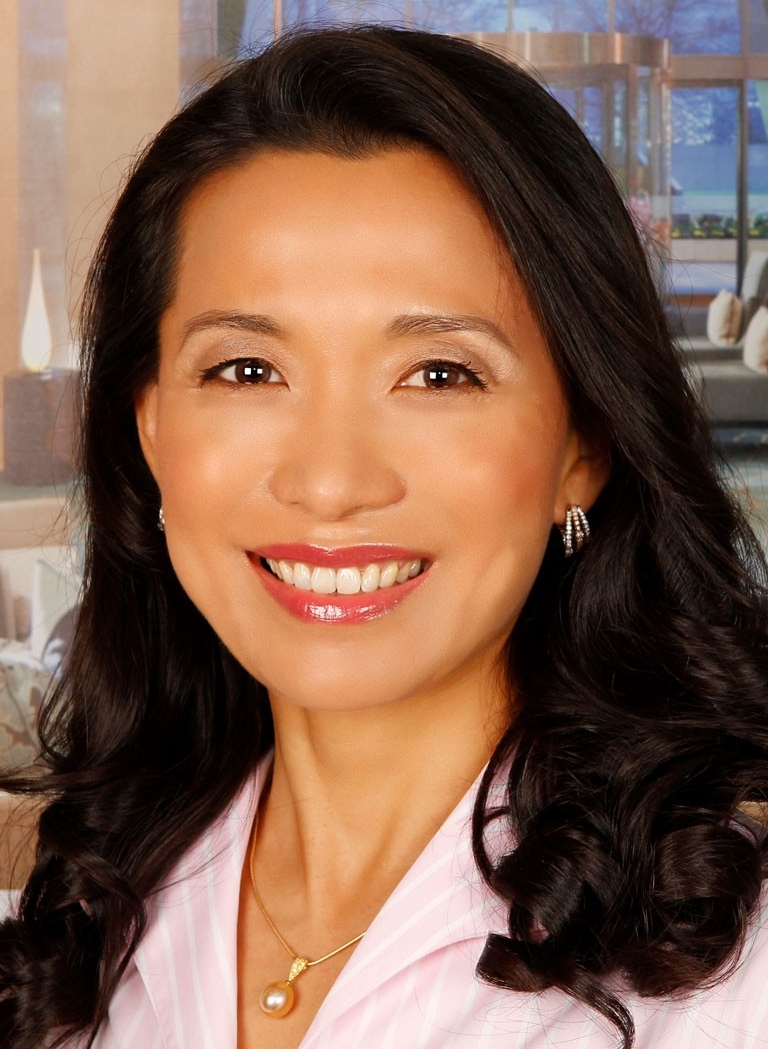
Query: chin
x=331 y=692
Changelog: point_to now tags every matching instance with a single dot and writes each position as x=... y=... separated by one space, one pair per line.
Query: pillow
x=756 y=342
x=754 y=286
x=724 y=318
x=23 y=683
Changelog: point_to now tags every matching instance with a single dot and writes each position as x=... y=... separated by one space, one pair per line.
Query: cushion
x=756 y=342
x=754 y=285
x=724 y=318
x=23 y=682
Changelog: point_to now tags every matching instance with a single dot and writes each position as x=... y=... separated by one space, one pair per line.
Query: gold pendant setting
x=298 y=966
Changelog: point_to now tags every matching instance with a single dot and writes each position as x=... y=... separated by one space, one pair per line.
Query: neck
x=356 y=795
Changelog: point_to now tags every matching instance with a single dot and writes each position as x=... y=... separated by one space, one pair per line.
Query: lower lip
x=334 y=608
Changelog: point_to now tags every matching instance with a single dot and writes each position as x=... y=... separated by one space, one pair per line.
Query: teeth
x=323 y=581
x=388 y=575
x=302 y=577
x=347 y=580
x=370 y=579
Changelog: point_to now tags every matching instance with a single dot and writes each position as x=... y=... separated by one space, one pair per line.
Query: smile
x=341 y=585
x=348 y=579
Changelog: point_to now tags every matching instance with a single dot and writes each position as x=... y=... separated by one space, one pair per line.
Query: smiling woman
x=308 y=333
x=422 y=661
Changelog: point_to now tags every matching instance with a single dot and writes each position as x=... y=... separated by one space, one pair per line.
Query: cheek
x=200 y=472
x=200 y=455
x=504 y=509
x=509 y=511
x=507 y=475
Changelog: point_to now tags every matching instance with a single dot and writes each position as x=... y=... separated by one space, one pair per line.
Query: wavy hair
x=638 y=669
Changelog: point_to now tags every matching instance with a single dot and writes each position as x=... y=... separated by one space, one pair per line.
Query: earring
x=161 y=519
x=575 y=531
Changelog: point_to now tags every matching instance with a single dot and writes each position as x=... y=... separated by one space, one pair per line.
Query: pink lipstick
x=294 y=574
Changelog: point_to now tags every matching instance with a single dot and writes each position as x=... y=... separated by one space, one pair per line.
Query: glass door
x=705 y=206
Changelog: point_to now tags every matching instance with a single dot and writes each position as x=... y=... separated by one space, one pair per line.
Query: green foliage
x=717 y=227
x=759 y=226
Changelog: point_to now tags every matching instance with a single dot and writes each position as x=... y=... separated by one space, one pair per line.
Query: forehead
x=398 y=222
x=316 y=173
x=407 y=204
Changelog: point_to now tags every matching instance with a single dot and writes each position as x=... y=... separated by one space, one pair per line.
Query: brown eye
x=442 y=375
x=248 y=371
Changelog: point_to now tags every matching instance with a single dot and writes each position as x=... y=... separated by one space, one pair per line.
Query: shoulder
x=413 y=979
x=180 y=986
x=435 y=1000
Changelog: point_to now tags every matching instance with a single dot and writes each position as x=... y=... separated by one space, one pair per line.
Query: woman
x=364 y=739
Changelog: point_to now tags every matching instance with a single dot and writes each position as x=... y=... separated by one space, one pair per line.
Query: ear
x=586 y=469
x=145 y=407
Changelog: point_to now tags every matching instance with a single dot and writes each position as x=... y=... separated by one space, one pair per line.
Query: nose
x=334 y=465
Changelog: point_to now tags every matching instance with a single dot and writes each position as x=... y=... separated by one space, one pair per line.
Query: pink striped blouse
x=410 y=984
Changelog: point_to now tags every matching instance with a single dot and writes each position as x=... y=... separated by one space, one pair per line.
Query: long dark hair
x=639 y=668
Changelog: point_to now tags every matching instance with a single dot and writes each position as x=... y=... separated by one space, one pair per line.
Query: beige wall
x=9 y=187
x=122 y=84
x=120 y=70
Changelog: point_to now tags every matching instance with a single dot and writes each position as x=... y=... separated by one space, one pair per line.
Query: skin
x=349 y=444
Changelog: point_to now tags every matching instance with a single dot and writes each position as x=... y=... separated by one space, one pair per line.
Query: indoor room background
x=674 y=94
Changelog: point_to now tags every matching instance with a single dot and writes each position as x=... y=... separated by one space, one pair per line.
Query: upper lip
x=337 y=556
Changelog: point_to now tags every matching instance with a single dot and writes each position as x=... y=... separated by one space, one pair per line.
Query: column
x=123 y=83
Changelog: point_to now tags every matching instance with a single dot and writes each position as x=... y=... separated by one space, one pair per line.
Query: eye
x=245 y=371
x=442 y=375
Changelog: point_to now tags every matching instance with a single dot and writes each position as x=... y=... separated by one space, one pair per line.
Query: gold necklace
x=277 y=999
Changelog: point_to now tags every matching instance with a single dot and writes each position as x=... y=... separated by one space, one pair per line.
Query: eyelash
x=216 y=371
x=474 y=377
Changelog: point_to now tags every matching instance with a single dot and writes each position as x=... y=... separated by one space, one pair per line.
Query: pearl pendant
x=277 y=999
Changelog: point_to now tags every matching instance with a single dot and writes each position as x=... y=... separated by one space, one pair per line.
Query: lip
x=333 y=609
x=336 y=557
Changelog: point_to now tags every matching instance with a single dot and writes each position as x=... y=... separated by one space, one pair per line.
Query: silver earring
x=161 y=519
x=575 y=531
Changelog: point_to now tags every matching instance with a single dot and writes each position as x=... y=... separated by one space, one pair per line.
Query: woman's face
x=352 y=386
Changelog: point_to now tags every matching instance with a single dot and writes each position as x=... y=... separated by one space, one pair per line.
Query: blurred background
x=673 y=93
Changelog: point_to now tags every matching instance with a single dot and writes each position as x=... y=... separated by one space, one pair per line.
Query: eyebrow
x=256 y=323
x=443 y=323
x=402 y=325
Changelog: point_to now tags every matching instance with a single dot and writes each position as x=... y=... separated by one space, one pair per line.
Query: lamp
x=39 y=401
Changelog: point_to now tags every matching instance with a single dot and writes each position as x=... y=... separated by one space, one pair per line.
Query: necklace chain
x=283 y=1001
x=287 y=947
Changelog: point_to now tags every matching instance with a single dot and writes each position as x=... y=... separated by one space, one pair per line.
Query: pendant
x=277 y=999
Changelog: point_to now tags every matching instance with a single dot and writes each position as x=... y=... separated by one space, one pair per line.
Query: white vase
x=36 y=339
